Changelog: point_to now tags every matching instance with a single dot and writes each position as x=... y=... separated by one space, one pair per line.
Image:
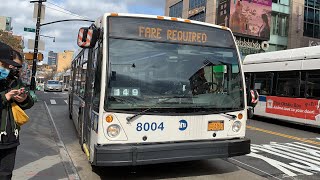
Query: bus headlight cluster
x=113 y=130
x=236 y=126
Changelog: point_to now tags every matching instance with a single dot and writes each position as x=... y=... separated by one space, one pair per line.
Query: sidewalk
x=38 y=156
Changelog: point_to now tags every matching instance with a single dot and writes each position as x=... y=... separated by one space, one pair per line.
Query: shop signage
x=195 y=11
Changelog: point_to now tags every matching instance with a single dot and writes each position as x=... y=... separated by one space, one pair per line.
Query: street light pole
x=54 y=38
x=36 y=43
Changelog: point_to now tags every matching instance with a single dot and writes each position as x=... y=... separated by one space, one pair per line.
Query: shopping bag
x=19 y=115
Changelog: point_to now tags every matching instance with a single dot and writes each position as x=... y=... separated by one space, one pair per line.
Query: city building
x=64 y=60
x=5 y=23
x=258 y=25
x=52 y=58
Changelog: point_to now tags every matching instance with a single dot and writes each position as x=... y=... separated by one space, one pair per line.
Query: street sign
x=35 y=13
x=29 y=29
x=40 y=44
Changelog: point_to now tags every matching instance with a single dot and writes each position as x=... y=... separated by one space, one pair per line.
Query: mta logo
x=183 y=125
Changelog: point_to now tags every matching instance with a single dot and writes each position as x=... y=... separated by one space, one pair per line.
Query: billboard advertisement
x=308 y=109
x=248 y=17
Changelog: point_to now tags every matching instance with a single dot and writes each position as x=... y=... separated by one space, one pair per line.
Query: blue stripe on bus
x=263 y=98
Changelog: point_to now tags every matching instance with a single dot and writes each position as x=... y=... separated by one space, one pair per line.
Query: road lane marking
x=284 y=135
x=65 y=157
x=66 y=101
x=295 y=158
x=52 y=101
x=45 y=92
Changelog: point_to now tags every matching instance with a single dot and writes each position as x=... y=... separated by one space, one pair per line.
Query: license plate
x=215 y=126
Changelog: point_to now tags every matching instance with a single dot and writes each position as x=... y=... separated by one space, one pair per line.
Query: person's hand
x=20 y=98
x=12 y=93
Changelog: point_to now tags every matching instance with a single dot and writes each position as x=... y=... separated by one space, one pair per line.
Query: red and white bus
x=288 y=82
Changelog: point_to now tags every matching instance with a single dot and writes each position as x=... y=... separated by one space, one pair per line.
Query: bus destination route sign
x=169 y=31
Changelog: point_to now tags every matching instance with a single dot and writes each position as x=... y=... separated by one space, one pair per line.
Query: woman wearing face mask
x=9 y=130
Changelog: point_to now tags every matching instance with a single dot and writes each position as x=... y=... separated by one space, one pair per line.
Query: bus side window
x=263 y=83
x=83 y=80
x=313 y=85
x=78 y=77
x=288 y=84
x=97 y=64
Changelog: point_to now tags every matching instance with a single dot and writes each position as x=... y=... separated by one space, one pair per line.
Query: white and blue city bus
x=154 y=89
x=288 y=83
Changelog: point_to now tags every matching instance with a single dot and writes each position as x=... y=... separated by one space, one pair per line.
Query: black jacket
x=9 y=130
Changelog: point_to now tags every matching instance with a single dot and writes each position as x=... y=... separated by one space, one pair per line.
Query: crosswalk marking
x=45 y=92
x=52 y=101
x=66 y=101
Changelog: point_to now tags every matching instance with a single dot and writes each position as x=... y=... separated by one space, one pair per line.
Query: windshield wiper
x=231 y=115
x=226 y=113
x=122 y=100
x=129 y=118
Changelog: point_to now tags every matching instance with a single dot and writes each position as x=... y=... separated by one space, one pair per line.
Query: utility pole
x=36 y=43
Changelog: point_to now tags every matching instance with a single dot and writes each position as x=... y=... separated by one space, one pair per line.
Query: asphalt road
x=279 y=151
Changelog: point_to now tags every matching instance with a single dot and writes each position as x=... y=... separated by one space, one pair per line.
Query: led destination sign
x=168 y=31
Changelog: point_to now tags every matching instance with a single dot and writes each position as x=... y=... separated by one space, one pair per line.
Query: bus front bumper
x=127 y=155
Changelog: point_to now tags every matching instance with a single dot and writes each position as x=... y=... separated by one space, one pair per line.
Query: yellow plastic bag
x=19 y=115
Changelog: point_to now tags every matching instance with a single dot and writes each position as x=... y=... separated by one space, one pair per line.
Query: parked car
x=53 y=85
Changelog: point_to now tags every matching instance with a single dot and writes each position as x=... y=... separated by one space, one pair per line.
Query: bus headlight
x=236 y=126
x=113 y=130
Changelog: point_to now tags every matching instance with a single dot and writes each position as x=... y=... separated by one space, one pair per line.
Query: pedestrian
x=11 y=91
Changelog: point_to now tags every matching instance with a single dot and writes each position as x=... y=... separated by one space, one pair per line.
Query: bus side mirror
x=87 y=37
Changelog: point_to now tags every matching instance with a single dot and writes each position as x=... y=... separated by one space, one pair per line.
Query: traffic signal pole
x=36 y=43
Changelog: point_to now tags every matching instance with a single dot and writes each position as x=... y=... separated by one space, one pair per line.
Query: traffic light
x=40 y=57
x=29 y=56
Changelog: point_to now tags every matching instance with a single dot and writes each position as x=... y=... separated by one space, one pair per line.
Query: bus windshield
x=174 y=77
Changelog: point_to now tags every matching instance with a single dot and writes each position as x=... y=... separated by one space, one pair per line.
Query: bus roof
x=306 y=58
x=284 y=55
x=166 y=18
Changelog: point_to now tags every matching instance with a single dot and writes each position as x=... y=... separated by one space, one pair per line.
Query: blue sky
x=146 y=10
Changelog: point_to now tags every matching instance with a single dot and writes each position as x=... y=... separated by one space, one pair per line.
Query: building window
x=199 y=17
x=197 y=3
x=279 y=24
x=276 y=47
x=282 y=2
x=176 y=10
x=311 y=18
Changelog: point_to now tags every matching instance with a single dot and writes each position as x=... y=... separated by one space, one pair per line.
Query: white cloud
x=21 y=12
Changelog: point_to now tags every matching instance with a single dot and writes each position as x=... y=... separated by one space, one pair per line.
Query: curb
x=70 y=168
